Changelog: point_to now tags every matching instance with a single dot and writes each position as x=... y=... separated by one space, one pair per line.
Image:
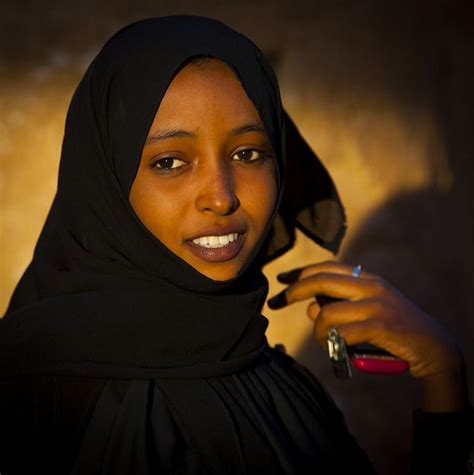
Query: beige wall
x=383 y=96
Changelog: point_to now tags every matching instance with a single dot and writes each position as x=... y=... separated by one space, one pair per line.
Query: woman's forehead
x=211 y=90
x=198 y=75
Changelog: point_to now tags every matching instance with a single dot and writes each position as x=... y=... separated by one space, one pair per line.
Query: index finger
x=325 y=266
x=333 y=285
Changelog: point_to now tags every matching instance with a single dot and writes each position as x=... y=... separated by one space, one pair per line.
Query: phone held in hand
x=364 y=356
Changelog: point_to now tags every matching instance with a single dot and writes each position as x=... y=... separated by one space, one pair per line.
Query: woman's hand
x=375 y=312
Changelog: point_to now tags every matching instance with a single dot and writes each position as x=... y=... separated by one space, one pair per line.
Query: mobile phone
x=363 y=356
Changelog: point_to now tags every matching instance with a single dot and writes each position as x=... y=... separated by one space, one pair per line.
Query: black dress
x=270 y=417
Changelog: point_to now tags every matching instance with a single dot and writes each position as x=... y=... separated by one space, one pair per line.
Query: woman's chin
x=218 y=271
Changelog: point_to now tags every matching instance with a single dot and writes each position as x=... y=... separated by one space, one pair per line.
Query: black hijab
x=102 y=295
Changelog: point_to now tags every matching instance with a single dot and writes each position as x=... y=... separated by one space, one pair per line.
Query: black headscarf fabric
x=101 y=288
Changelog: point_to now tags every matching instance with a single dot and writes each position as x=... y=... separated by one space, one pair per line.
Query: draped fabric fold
x=269 y=418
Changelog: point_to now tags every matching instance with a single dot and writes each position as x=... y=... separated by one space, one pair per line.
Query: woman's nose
x=217 y=193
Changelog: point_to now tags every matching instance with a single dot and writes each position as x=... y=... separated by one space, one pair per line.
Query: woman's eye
x=168 y=163
x=248 y=155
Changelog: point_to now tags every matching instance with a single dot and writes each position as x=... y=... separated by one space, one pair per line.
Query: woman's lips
x=217 y=254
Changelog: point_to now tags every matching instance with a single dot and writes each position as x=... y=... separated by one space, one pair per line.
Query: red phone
x=364 y=356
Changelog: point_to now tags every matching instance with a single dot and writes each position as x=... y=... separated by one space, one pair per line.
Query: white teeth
x=215 y=241
x=223 y=240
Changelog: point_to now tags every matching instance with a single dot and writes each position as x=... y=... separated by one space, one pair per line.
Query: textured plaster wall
x=383 y=93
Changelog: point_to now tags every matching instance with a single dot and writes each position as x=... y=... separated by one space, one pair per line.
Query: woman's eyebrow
x=163 y=134
x=252 y=127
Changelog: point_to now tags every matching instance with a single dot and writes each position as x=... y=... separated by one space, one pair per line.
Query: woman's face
x=206 y=183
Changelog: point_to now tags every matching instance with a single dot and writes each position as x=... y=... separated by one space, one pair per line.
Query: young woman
x=134 y=343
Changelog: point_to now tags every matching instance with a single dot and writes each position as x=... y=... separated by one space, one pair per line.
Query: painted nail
x=277 y=301
x=290 y=276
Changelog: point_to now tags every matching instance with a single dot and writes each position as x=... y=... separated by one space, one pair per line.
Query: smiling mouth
x=217 y=248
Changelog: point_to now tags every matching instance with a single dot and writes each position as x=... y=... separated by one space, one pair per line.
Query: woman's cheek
x=270 y=189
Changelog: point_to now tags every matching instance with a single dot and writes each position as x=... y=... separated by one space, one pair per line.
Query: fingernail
x=277 y=301
x=290 y=276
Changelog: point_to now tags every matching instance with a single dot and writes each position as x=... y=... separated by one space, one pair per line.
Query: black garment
x=120 y=358
x=265 y=419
